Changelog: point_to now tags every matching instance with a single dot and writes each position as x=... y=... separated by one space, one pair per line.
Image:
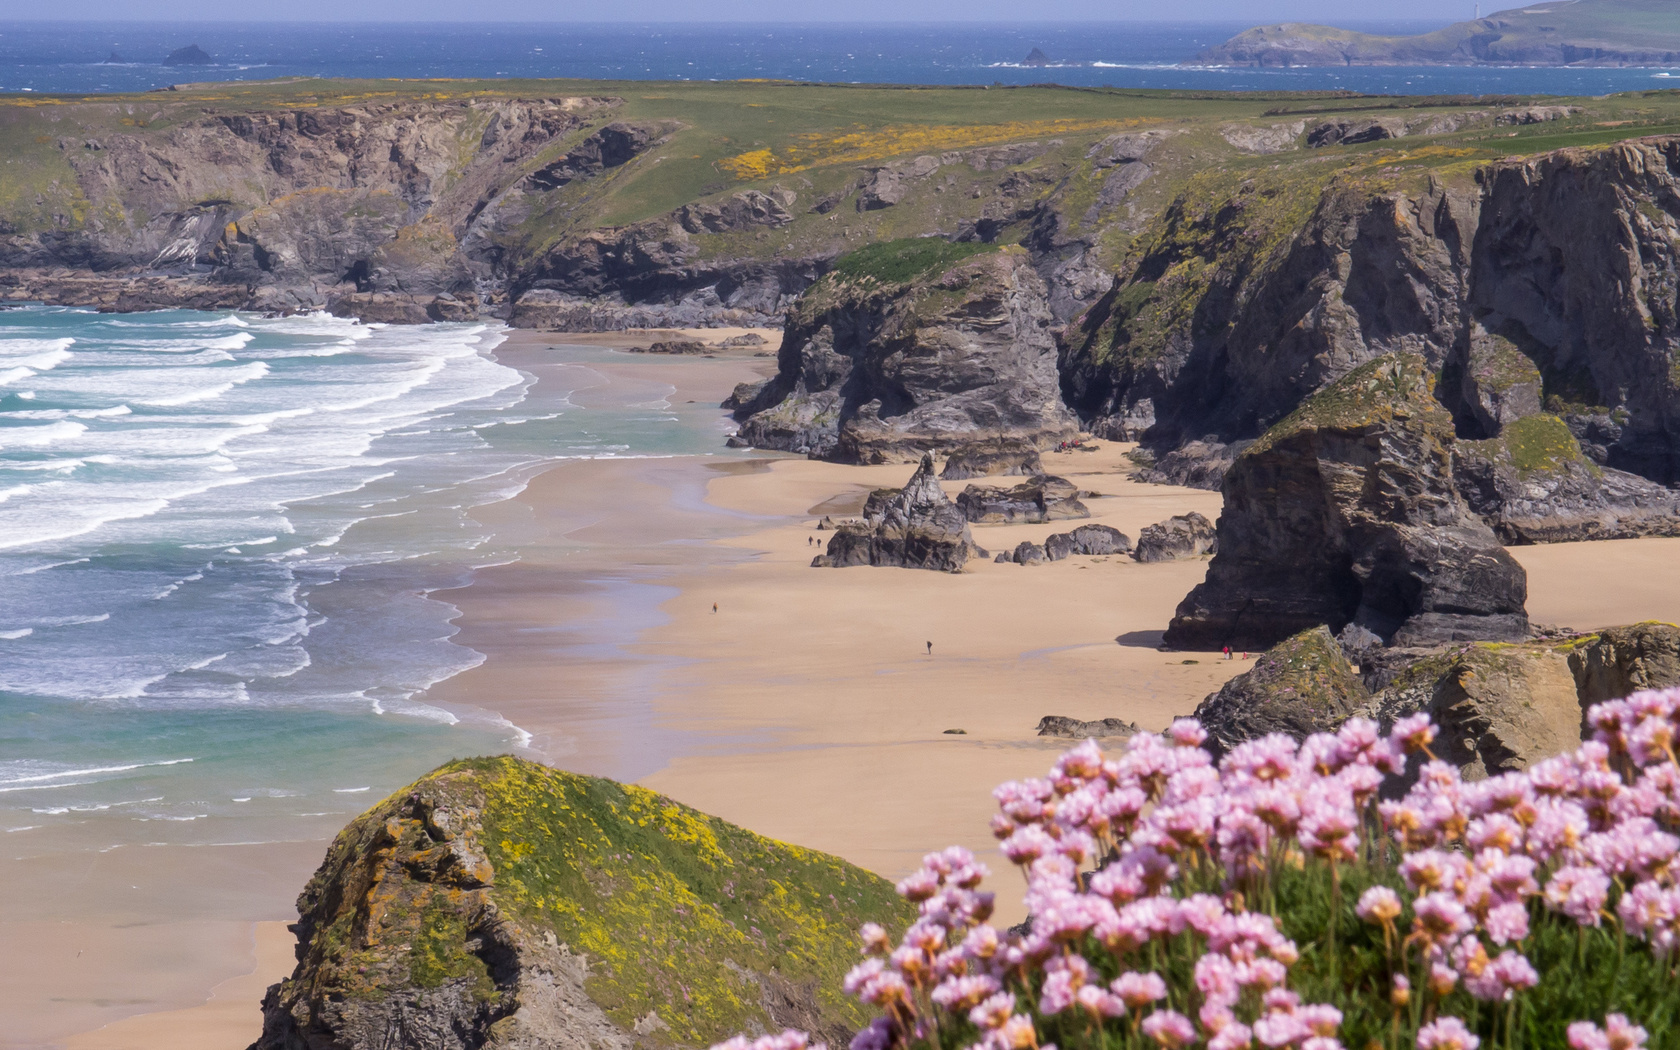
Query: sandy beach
x=807 y=707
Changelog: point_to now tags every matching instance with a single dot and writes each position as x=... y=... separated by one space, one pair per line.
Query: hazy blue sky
x=746 y=10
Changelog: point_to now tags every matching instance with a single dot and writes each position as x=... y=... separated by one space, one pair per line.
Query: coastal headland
x=1566 y=33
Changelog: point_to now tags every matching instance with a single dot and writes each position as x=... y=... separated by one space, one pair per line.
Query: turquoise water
x=220 y=540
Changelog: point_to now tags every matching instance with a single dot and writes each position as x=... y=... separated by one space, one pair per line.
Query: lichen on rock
x=499 y=903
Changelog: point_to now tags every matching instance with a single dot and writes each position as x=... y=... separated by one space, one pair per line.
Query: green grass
x=902 y=261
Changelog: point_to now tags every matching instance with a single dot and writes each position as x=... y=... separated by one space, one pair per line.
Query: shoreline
x=806 y=708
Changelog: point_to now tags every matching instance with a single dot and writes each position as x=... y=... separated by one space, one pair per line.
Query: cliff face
x=894 y=357
x=693 y=205
x=497 y=903
x=1546 y=287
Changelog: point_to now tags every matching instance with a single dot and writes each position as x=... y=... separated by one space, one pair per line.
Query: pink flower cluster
x=1159 y=850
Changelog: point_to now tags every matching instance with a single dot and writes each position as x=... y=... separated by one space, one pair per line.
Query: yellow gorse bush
x=862 y=145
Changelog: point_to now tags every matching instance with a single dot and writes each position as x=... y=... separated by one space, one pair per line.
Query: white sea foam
x=10 y=779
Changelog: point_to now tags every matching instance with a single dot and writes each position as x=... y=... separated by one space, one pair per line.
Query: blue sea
x=92 y=57
x=223 y=539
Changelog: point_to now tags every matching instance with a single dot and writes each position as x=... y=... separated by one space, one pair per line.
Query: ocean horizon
x=86 y=58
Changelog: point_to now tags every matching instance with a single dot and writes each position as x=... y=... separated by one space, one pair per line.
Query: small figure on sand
x=930 y=648
x=714 y=607
x=1227 y=652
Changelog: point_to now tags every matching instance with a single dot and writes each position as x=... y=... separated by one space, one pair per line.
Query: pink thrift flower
x=993 y=1013
x=878 y=1035
x=1187 y=732
x=1448 y=1033
x=1232 y=1037
x=1621 y=1034
x=1378 y=905
x=1138 y=990
x=1507 y=923
x=1169 y=1028
x=1413 y=734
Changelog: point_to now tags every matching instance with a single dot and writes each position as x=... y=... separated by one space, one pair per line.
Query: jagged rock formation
x=872 y=371
x=1180 y=536
x=1347 y=512
x=916 y=527
x=1041 y=498
x=496 y=903
x=983 y=460
x=1533 y=484
x=1302 y=685
x=1195 y=464
x=1097 y=540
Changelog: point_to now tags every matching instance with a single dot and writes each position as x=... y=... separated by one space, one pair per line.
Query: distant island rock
x=1036 y=58
x=1567 y=33
x=191 y=55
x=115 y=60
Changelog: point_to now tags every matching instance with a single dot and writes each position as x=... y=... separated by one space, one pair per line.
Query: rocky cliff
x=1542 y=291
x=497 y=903
x=1348 y=512
x=903 y=350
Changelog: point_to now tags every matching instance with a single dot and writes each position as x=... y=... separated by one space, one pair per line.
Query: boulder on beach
x=1041 y=498
x=1087 y=539
x=1073 y=728
x=1180 y=536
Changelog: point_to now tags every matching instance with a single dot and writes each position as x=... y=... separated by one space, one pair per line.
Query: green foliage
x=439 y=954
x=678 y=912
x=902 y=261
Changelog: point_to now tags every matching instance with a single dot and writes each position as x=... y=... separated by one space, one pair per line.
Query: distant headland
x=1565 y=33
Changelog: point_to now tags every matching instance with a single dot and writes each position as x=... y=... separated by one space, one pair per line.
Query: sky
x=1247 y=11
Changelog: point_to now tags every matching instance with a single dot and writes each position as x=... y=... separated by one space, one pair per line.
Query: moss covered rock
x=1300 y=686
x=500 y=903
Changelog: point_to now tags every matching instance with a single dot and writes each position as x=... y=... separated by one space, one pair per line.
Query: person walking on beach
x=1227 y=652
x=930 y=648
x=714 y=608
